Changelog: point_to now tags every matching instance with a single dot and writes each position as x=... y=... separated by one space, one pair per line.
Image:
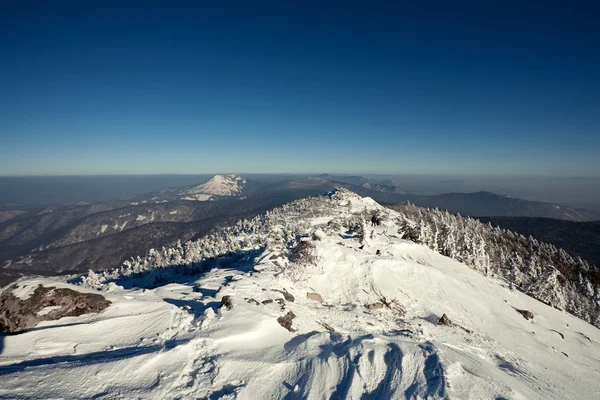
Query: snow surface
x=198 y=197
x=48 y=310
x=24 y=291
x=218 y=185
x=174 y=341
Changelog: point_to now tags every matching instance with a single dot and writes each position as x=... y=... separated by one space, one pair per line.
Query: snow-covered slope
x=218 y=185
x=374 y=335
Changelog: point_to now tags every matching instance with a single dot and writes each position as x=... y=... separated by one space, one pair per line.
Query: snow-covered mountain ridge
x=218 y=185
x=362 y=304
x=544 y=272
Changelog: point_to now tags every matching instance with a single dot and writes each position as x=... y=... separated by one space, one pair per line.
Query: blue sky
x=356 y=87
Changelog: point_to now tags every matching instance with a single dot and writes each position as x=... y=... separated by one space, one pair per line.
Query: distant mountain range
x=472 y=204
x=73 y=238
x=491 y=204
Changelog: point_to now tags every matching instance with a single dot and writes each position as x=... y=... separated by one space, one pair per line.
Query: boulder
x=327 y=326
x=286 y=295
x=45 y=304
x=375 y=306
x=445 y=320
x=314 y=297
x=226 y=302
x=526 y=314
x=286 y=321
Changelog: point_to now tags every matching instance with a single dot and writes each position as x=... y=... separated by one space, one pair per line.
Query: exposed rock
x=590 y=340
x=561 y=335
x=374 y=306
x=286 y=295
x=445 y=320
x=526 y=314
x=17 y=315
x=268 y=301
x=314 y=297
x=286 y=321
x=226 y=301
x=252 y=301
x=281 y=302
x=378 y=252
x=327 y=326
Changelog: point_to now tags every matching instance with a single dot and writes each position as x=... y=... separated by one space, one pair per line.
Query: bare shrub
x=301 y=256
x=304 y=253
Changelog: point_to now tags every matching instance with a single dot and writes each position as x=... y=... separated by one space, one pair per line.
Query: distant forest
x=577 y=238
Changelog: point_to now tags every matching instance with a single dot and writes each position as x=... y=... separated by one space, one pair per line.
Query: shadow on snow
x=348 y=351
x=240 y=261
x=76 y=360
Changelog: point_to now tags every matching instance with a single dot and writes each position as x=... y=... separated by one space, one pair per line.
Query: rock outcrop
x=286 y=321
x=45 y=304
x=286 y=295
x=526 y=314
x=226 y=302
x=314 y=297
x=445 y=321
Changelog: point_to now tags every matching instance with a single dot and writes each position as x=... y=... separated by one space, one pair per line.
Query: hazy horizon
x=577 y=192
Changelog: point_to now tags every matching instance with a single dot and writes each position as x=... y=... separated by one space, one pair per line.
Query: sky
x=300 y=87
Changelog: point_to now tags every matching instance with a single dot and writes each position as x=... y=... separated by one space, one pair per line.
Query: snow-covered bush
x=541 y=270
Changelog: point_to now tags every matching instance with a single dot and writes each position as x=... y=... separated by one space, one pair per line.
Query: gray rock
x=286 y=321
x=445 y=320
x=226 y=302
x=286 y=295
x=561 y=335
x=314 y=297
x=374 y=306
x=526 y=314
x=327 y=326
x=17 y=315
